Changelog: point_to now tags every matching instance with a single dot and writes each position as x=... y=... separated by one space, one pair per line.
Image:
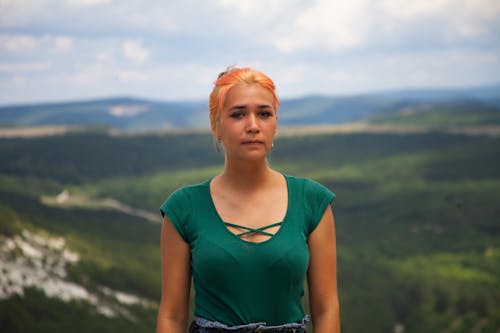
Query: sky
x=64 y=50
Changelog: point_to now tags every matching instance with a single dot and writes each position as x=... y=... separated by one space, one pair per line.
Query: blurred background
x=394 y=105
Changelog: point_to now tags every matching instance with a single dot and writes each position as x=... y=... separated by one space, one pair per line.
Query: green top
x=239 y=282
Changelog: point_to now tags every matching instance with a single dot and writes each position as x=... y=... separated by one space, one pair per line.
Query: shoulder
x=314 y=198
x=182 y=196
x=190 y=189
x=178 y=206
x=309 y=187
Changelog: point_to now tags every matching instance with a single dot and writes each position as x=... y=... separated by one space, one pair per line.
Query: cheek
x=272 y=128
x=227 y=129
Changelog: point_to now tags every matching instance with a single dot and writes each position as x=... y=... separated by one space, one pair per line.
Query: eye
x=237 y=115
x=265 y=114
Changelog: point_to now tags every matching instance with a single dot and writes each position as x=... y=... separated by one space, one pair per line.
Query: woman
x=248 y=236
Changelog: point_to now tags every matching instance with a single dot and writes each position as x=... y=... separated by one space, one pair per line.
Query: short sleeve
x=177 y=208
x=317 y=199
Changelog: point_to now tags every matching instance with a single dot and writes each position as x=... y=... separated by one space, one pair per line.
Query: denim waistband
x=202 y=325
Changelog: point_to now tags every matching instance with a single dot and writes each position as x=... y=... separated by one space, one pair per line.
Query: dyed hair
x=228 y=79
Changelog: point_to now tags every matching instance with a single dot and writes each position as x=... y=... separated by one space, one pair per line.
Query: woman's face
x=247 y=122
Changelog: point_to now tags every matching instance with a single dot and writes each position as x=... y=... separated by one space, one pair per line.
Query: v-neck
x=224 y=224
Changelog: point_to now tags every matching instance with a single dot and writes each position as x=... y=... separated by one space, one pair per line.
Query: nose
x=252 y=124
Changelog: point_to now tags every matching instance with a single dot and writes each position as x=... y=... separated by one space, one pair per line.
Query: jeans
x=202 y=325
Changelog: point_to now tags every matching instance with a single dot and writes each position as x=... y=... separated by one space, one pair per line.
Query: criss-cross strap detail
x=253 y=230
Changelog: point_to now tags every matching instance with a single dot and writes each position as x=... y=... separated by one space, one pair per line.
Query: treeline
x=416 y=222
x=83 y=157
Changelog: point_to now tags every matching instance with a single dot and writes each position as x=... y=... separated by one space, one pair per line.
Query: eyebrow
x=236 y=107
x=243 y=107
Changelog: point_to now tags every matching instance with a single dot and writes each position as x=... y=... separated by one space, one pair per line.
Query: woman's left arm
x=322 y=276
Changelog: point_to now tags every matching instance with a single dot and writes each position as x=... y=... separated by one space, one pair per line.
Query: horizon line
x=387 y=91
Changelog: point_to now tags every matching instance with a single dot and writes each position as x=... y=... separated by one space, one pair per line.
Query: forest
x=417 y=223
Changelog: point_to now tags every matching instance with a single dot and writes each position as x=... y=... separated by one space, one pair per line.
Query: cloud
x=88 y=75
x=56 y=49
x=451 y=20
x=254 y=10
x=63 y=44
x=85 y=3
x=30 y=43
x=14 y=13
x=128 y=76
x=135 y=51
x=482 y=9
x=18 y=42
x=408 y=10
x=89 y=17
x=341 y=26
x=20 y=67
x=334 y=25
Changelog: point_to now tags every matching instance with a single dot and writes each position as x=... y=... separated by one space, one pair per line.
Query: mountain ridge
x=132 y=113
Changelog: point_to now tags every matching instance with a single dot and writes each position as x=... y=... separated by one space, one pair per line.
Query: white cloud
x=18 y=81
x=15 y=13
x=407 y=10
x=32 y=43
x=259 y=11
x=452 y=20
x=135 y=51
x=334 y=25
x=105 y=56
x=91 y=17
x=474 y=19
x=18 y=42
x=85 y=3
x=19 y=67
x=63 y=44
x=129 y=76
x=57 y=49
x=482 y=9
x=89 y=75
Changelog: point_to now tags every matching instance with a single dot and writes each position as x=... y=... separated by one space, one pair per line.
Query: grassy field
x=416 y=217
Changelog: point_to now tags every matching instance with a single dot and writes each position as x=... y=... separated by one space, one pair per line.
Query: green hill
x=456 y=114
x=133 y=114
x=416 y=218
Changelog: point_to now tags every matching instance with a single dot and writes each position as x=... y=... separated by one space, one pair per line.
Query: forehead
x=248 y=94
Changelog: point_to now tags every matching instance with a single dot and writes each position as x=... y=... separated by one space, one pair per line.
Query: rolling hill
x=416 y=210
x=131 y=114
x=416 y=219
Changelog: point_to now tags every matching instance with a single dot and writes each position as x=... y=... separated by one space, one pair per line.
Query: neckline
x=222 y=223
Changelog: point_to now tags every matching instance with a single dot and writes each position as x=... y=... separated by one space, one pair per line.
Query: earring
x=217 y=145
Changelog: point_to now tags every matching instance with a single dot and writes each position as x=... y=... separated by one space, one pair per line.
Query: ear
x=215 y=132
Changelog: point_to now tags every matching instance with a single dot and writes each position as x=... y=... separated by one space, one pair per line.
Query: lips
x=253 y=142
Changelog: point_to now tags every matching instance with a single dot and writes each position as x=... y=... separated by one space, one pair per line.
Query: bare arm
x=176 y=281
x=322 y=276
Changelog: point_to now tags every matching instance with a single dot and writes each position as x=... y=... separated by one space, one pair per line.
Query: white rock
x=28 y=249
x=34 y=260
x=70 y=256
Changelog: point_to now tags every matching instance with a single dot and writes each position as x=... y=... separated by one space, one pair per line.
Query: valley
x=416 y=216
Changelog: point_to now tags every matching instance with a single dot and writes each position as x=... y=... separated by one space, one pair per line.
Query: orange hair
x=229 y=78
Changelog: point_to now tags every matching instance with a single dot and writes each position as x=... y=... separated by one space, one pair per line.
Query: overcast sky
x=59 y=50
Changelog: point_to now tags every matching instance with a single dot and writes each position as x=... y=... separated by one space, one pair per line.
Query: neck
x=246 y=175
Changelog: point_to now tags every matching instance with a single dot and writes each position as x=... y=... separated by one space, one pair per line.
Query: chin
x=253 y=156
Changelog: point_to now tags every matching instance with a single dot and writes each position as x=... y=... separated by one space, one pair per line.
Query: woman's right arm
x=176 y=281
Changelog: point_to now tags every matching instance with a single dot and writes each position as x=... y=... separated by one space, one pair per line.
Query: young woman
x=249 y=236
